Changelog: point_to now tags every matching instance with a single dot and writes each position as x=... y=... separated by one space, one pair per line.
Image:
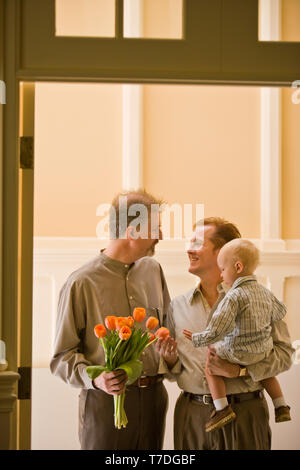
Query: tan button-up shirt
x=102 y=287
x=191 y=311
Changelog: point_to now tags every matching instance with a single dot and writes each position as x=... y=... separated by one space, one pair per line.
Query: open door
x=25 y=260
x=219 y=45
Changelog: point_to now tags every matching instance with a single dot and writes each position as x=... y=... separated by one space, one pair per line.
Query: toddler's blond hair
x=242 y=250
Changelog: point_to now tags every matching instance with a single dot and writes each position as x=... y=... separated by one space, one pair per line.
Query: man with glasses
x=185 y=364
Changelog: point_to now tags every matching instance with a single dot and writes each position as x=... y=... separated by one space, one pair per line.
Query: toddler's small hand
x=188 y=334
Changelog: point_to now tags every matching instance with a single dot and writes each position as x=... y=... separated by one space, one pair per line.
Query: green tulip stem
x=104 y=347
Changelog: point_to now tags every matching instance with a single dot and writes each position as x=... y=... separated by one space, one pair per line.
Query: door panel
x=220 y=45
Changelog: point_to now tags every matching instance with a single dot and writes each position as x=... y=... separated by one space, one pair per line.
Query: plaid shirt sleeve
x=221 y=323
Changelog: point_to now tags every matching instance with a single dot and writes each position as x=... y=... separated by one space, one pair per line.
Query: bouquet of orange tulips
x=123 y=346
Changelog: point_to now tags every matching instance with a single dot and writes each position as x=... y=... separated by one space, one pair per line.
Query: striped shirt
x=243 y=320
x=191 y=311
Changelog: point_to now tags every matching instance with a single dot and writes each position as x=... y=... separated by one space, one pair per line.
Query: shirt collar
x=193 y=293
x=242 y=279
x=114 y=264
x=221 y=288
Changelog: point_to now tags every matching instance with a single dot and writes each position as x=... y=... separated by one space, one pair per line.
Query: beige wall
x=191 y=135
x=78 y=140
x=202 y=146
x=291 y=297
x=290 y=133
x=290 y=166
x=85 y=18
x=290 y=20
x=162 y=18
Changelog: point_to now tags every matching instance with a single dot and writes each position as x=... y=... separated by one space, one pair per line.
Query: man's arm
x=217 y=366
x=278 y=310
x=280 y=358
x=68 y=361
x=278 y=361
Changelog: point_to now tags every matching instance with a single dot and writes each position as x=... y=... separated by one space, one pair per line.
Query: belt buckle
x=204 y=397
x=139 y=381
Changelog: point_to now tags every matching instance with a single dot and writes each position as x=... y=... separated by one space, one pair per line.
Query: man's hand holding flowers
x=123 y=346
x=113 y=383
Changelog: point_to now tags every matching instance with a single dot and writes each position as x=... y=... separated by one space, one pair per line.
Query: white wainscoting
x=54 y=403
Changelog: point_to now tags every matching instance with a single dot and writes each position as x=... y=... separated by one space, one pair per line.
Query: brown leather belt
x=146 y=381
x=234 y=398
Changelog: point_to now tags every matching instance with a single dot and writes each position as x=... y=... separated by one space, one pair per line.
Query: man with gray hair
x=123 y=276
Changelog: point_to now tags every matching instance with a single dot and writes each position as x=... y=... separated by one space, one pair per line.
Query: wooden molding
x=8 y=396
x=270 y=142
x=170 y=253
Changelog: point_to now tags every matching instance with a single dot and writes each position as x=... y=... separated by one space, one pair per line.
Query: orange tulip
x=139 y=314
x=151 y=337
x=151 y=323
x=124 y=332
x=162 y=332
x=121 y=321
x=130 y=321
x=100 y=331
x=110 y=322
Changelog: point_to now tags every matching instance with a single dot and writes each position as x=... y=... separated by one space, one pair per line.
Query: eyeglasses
x=194 y=245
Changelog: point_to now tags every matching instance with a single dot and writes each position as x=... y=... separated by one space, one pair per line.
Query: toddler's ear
x=239 y=267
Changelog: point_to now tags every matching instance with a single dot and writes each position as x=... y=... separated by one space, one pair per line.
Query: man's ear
x=130 y=233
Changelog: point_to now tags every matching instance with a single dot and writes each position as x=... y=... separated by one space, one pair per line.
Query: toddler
x=241 y=325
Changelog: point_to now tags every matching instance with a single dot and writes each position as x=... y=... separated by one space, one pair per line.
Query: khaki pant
x=250 y=430
x=146 y=410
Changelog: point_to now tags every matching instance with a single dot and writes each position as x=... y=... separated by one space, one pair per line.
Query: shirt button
x=127 y=278
x=131 y=297
x=126 y=265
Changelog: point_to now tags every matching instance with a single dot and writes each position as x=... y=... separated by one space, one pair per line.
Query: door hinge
x=26 y=153
x=24 y=385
